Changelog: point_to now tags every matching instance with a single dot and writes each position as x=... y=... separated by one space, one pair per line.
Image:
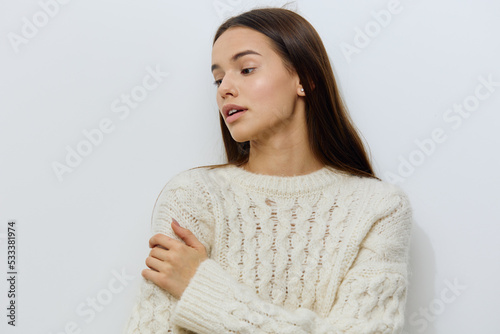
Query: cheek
x=277 y=96
x=261 y=90
x=268 y=94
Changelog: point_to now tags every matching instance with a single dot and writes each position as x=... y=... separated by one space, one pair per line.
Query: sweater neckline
x=284 y=185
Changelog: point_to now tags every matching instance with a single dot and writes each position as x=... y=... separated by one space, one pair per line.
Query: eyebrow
x=236 y=56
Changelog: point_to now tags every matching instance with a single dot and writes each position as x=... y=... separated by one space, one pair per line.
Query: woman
x=295 y=234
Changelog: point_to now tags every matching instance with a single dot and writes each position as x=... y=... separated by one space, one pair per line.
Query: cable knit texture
x=325 y=252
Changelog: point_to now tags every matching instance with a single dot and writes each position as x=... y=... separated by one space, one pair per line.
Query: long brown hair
x=333 y=137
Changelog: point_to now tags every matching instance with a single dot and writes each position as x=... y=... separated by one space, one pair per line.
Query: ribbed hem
x=285 y=185
x=201 y=307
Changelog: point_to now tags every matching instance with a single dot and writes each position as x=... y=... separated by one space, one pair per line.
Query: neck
x=286 y=159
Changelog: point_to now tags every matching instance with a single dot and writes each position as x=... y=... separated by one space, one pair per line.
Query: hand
x=172 y=262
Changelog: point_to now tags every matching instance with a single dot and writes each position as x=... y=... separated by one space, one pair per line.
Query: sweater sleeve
x=186 y=199
x=370 y=299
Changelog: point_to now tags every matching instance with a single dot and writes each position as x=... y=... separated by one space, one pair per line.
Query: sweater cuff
x=206 y=300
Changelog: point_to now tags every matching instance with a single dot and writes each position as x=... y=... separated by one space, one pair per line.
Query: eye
x=248 y=69
x=244 y=71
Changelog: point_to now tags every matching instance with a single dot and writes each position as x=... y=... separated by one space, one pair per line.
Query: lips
x=228 y=107
x=233 y=111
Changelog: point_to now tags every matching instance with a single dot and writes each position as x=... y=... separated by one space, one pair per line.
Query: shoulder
x=187 y=189
x=186 y=179
x=196 y=181
x=383 y=215
x=392 y=196
x=390 y=210
x=375 y=194
x=204 y=175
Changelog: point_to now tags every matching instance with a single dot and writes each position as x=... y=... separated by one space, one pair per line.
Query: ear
x=301 y=91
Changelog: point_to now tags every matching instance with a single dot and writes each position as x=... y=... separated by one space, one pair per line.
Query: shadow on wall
x=423 y=306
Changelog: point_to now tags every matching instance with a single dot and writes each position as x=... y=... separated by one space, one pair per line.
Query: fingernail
x=175 y=222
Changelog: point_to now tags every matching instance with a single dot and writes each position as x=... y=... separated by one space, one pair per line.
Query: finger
x=157 y=278
x=187 y=236
x=161 y=240
x=155 y=264
x=151 y=275
x=159 y=253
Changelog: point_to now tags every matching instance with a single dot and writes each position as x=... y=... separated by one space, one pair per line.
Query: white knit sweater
x=325 y=252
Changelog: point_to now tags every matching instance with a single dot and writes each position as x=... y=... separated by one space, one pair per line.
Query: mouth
x=234 y=115
x=234 y=111
x=231 y=109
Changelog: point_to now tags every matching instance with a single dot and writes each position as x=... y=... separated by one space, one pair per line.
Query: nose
x=227 y=87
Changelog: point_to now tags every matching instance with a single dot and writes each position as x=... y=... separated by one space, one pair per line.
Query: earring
x=302 y=89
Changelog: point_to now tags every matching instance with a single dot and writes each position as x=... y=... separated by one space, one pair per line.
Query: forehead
x=238 y=39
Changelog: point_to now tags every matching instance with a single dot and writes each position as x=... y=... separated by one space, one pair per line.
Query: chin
x=240 y=137
x=240 y=140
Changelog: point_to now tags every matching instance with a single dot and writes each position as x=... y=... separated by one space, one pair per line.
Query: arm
x=370 y=299
x=184 y=199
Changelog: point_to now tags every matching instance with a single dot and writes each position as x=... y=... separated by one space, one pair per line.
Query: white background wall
x=68 y=72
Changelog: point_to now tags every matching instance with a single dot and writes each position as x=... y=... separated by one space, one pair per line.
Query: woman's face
x=258 y=82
